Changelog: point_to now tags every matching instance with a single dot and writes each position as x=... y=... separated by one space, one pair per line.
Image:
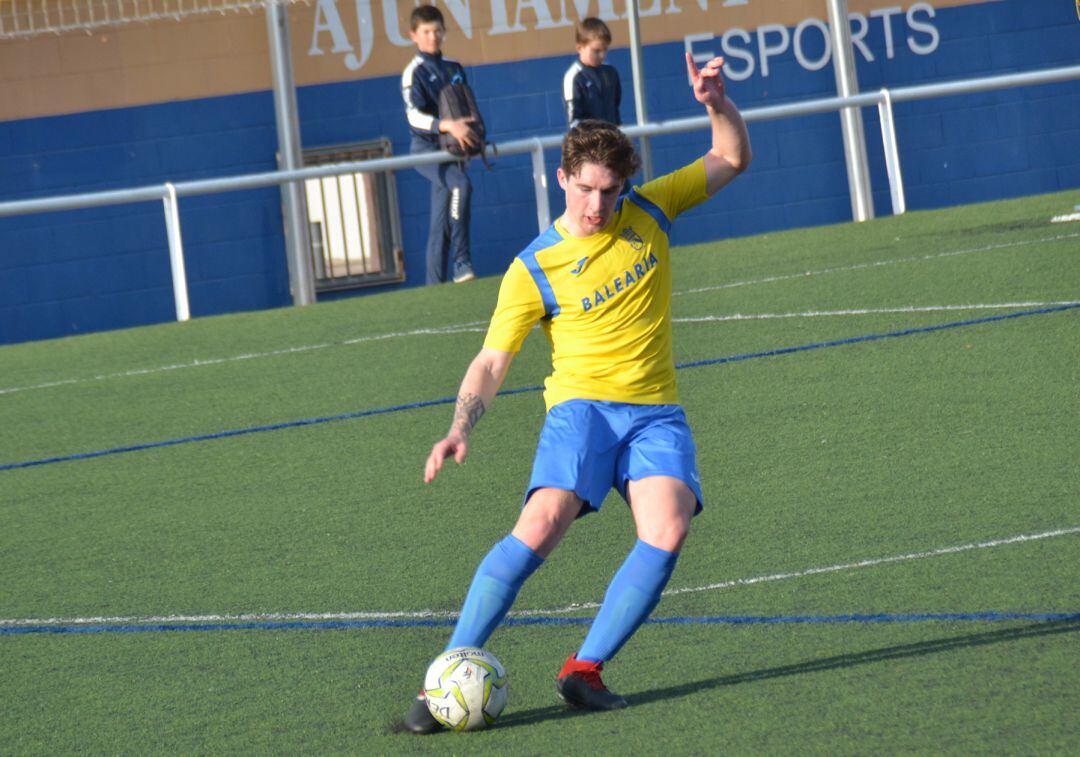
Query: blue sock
x=631 y=596
x=493 y=590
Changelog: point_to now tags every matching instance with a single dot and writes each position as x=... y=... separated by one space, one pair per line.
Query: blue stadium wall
x=106 y=268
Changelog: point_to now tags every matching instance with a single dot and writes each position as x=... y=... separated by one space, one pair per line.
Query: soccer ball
x=465 y=688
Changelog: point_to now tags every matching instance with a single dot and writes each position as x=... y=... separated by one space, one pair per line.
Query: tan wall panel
x=81 y=52
x=138 y=45
x=29 y=58
x=205 y=56
x=144 y=82
x=71 y=88
x=17 y=96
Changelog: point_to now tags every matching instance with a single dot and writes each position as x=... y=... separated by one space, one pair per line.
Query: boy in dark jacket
x=591 y=89
x=451 y=191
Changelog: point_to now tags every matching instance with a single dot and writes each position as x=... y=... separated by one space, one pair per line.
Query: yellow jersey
x=604 y=301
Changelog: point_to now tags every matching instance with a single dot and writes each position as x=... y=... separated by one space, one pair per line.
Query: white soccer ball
x=465 y=688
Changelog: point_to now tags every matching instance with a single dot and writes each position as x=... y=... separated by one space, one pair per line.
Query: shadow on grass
x=918 y=649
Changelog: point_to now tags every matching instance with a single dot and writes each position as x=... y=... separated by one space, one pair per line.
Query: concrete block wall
x=233 y=242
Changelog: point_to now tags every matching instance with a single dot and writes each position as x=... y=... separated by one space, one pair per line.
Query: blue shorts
x=589 y=447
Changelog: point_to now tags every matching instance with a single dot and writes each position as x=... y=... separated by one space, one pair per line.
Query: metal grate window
x=354 y=221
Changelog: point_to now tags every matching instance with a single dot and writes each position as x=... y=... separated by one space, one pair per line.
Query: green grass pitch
x=923 y=456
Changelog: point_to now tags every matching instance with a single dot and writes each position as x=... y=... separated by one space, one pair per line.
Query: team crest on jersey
x=632 y=237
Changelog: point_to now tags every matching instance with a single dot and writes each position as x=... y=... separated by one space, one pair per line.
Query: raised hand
x=708 y=83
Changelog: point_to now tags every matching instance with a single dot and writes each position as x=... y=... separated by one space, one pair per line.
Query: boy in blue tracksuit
x=451 y=191
x=591 y=88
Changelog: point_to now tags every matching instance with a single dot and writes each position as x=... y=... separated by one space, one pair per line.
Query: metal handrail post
x=290 y=157
x=176 y=252
x=540 y=186
x=851 y=122
x=637 y=69
x=892 y=152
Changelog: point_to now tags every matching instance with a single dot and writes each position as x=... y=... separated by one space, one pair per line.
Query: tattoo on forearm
x=467 y=412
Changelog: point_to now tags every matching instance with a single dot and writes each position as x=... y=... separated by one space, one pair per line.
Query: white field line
x=575 y=607
x=461 y=328
x=869 y=311
x=876 y=264
x=480 y=326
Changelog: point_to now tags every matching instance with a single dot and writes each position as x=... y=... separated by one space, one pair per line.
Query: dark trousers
x=448 y=234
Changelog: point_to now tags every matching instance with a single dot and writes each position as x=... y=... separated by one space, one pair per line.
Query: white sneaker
x=464 y=276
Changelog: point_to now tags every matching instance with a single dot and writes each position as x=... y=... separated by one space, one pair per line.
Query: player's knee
x=545 y=518
x=663 y=509
x=667 y=534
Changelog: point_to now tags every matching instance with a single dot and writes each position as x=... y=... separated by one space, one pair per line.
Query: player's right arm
x=478 y=389
x=520 y=306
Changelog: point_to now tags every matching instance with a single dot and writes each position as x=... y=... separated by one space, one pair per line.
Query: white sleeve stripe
x=568 y=90
x=568 y=81
x=407 y=74
x=416 y=118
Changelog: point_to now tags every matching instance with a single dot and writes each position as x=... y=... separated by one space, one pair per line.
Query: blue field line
x=876 y=337
x=738 y=620
x=524 y=389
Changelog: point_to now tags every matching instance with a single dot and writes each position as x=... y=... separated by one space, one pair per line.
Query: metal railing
x=21 y=19
x=169 y=193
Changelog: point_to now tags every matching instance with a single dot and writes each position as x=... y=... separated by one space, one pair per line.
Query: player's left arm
x=730 y=153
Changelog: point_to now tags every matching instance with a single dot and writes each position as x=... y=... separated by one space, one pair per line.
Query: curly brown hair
x=600 y=142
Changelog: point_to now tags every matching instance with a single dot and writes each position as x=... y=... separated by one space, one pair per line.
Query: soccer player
x=591 y=88
x=599 y=283
x=451 y=191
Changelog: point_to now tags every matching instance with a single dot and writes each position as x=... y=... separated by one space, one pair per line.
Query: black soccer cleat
x=579 y=685
x=419 y=718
